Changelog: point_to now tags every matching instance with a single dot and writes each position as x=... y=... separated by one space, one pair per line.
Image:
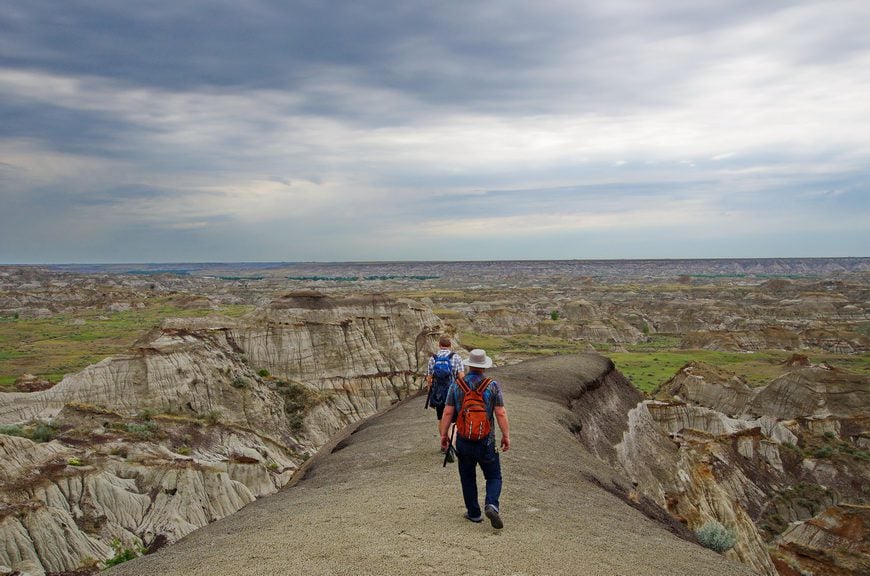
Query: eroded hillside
x=189 y=421
x=197 y=420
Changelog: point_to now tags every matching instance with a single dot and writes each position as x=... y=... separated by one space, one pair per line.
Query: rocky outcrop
x=813 y=391
x=791 y=449
x=31 y=383
x=697 y=479
x=200 y=418
x=706 y=385
x=834 y=542
x=768 y=338
x=599 y=420
x=360 y=353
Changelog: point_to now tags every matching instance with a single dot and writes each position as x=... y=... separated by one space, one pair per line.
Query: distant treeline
x=241 y=277
x=747 y=275
x=361 y=278
x=156 y=272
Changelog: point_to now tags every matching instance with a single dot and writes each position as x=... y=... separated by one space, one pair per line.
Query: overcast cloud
x=266 y=130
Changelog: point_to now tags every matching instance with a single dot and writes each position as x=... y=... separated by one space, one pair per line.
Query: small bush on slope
x=716 y=537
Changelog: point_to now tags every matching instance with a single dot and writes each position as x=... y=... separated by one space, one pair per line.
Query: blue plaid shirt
x=455 y=362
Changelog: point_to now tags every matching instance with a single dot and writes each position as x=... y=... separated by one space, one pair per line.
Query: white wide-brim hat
x=477 y=358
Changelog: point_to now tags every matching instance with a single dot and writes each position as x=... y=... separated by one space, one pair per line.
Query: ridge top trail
x=378 y=501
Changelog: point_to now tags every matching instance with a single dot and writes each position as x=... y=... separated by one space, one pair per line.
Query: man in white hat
x=479 y=402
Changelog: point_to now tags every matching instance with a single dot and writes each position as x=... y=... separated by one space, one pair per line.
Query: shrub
x=298 y=401
x=75 y=462
x=824 y=452
x=239 y=382
x=12 y=430
x=830 y=435
x=716 y=537
x=263 y=373
x=144 y=430
x=122 y=553
x=554 y=315
x=43 y=432
x=213 y=417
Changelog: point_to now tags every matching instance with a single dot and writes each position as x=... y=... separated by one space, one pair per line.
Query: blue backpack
x=442 y=378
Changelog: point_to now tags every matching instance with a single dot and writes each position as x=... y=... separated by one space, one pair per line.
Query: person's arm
x=457 y=366
x=430 y=367
x=444 y=425
x=502 y=419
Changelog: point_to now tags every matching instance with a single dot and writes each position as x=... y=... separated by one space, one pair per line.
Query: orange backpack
x=472 y=423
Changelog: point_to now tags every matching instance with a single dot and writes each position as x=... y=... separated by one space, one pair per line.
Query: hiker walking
x=445 y=366
x=478 y=401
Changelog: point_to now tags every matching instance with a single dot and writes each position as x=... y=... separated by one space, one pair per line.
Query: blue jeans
x=472 y=454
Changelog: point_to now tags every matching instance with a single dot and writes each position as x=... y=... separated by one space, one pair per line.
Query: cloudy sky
x=272 y=130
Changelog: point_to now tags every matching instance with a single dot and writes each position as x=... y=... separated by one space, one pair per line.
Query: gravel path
x=381 y=503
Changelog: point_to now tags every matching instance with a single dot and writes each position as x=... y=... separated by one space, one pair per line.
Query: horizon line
x=420 y=261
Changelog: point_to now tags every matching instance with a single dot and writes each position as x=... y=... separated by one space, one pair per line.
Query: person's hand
x=445 y=442
x=505 y=443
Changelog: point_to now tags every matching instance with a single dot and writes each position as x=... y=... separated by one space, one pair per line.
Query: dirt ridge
x=383 y=504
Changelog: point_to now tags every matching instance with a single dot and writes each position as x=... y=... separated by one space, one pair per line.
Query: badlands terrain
x=142 y=403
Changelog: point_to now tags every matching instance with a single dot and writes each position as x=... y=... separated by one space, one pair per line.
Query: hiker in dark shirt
x=445 y=366
x=475 y=443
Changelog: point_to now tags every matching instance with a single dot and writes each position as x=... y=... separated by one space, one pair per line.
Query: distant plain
x=52 y=345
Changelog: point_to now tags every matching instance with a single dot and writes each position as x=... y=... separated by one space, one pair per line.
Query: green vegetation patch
x=66 y=343
x=298 y=401
x=647 y=370
x=857 y=363
x=652 y=363
x=36 y=431
x=123 y=553
x=521 y=344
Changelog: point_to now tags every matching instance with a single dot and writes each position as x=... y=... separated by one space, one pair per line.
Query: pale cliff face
x=199 y=419
x=797 y=433
x=360 y=354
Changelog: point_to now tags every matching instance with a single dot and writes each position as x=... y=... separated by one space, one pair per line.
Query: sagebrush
x=716 y=537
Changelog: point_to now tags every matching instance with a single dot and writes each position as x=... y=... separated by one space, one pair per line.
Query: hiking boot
x=494 y=518
x=477 y=520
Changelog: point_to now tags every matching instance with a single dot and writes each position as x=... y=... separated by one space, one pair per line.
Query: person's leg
x=491 y=467
x=468 y=457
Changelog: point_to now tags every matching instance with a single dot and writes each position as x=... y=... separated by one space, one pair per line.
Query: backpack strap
x=449 y=357
x=482 y=386
x=480 y=389
x=463 y=385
